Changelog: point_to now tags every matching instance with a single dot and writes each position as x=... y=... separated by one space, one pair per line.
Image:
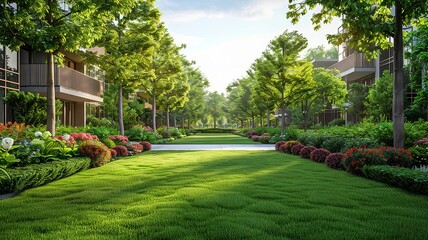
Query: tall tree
x=129 y=39
x=379 y=98
x=215 y=105
x=281 y=73
x=52 y=26
x=320 y=52
x=164 y=64
x=328 y=88
x=367 y=26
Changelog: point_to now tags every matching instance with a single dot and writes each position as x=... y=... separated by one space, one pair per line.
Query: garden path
x=186 y=147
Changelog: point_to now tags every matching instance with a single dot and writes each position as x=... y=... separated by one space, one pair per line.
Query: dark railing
x=33 y=75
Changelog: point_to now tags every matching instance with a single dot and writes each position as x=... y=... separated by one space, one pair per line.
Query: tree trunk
x=398 y=98
x=120 y=111
x=175 y=119
x=268 y=118
x=282 y=119
x=50 y=87
x=305 y=115
x=215 y=122
x=167 y=116
x=154 y=113
x=261 y=120
x=188 y=123
x=182 y=121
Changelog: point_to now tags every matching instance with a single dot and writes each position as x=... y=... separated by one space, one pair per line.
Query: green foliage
x=93 y=121
x=136 y=133
x=109 y=143
x=398 y=157
x=320 y=53
x=357 y=94
x=379 y=98
x=357 y=158
x=215 y=105
x=102 y=132
x=408 y=179
x=39 y=174
x=334 y=144
x=29 y=108
x=48 y=149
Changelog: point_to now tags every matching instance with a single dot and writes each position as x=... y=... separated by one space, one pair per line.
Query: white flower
x=38 y=134
x=7 y=143
x=66 y=137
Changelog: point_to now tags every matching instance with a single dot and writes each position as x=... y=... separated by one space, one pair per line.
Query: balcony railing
x=34 y=75
x=355 y=60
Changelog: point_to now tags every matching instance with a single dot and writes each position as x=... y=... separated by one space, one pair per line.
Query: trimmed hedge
x=216 y=130
x=39 y=174
x=408 y=179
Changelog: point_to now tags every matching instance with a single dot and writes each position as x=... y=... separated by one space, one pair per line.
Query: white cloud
x=262 y=8
x=192 y=15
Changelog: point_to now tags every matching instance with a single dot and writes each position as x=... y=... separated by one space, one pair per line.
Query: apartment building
x=75 y=82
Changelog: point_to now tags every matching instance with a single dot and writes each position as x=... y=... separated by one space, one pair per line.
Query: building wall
x=9 y=78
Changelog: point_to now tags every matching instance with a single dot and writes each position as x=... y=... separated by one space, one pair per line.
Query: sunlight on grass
x=214 y=195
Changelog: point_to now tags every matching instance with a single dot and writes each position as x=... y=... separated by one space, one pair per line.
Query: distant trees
x=215 y=104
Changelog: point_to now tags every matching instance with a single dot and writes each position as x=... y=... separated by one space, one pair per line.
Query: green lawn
x=214 y=138
x=214 y=195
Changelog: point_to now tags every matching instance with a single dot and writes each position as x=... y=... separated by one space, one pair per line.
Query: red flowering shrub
x=295 y=150
x=146 y=146
x=68 y=140
x=83 y=137
x=98 y=152
x=334 y=160
x=113 y=153
x=306 y=151
x=121 y=151
x=282 y=148
x=278 y=144
x=398 y=157
x=319 y=155
x=250 y=134
x=255 y=138
x=137 y=148
x=289 y=145
x=357 y=158
x=119 y=140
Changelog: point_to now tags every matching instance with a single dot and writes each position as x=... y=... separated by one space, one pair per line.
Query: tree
x=240 y=99
x=215 y=105
x=320 y=52
x=366 y=26
x=50 y=27
x=281 y=74
x=129 y=40
x=328 y=88
x=356 y=96
x=164 y=65
x=379 y=98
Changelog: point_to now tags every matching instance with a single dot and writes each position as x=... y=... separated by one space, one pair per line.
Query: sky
x=225 y=37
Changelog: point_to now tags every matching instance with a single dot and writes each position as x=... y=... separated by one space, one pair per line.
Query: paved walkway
x=239 y=147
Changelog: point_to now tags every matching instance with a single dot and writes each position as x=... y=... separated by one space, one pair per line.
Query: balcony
x=70 y=85
x=354 y=67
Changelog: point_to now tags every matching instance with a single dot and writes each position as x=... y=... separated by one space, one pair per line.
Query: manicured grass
x=214 y=138
x=214 y=195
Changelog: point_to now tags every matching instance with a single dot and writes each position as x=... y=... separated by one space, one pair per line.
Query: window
x=11 y=60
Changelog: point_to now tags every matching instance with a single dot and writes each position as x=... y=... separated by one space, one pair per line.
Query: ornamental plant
x=47 y=148
x=264 y=138
x=146 y=146
x=295 y=150
x=255 y=138
x=306 y=151
x=289 y=145
x=282 y=148
x=398 y=157
x=99 y=153
x=334 y=160
x=121 y=151
x=14 y=130
x=357 y=158
x=119 y=140
x=319 y=155
x=420 y=152
x=278 y=144
x=6 y=159
x=83 y=137
x=113 y=153
x=137 y=148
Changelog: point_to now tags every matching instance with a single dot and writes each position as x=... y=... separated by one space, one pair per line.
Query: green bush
x=135 y=133
x=108 y=142
x=38 y=174
x=334 y=144
x=337 y=122
x=100 y=122
x=216 y=130
x=408 y=179
x=102 y=132
x=359 y=143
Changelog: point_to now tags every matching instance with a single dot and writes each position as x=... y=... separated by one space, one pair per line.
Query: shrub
x=282 y=148
x=250 y=134
x=113 y=153
x=359 y=142
x=295 y=150
x=83 y=137
x=319 y=155
x=398 y=157
x=146 y=146
x=137 y=148
x=337 y=122
x=315 y=140
x=102 y=132
x=334 y=160
x=264 y=138
x=334 y=144
x=306 y=151
x=121 y=151
x=276 y=138
x=38 y=174
x=420 y=152
x=98 y=152
x=278 y=144
x=108 y=142
x=255 y=138
x=410 y=180
x=289 y=145
x=119 y=140
x=357 y=158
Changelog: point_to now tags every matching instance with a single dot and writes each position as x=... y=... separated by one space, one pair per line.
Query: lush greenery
x=214 y=138
x=214 y=195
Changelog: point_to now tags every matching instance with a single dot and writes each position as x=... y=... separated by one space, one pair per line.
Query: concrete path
x=184 y=147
